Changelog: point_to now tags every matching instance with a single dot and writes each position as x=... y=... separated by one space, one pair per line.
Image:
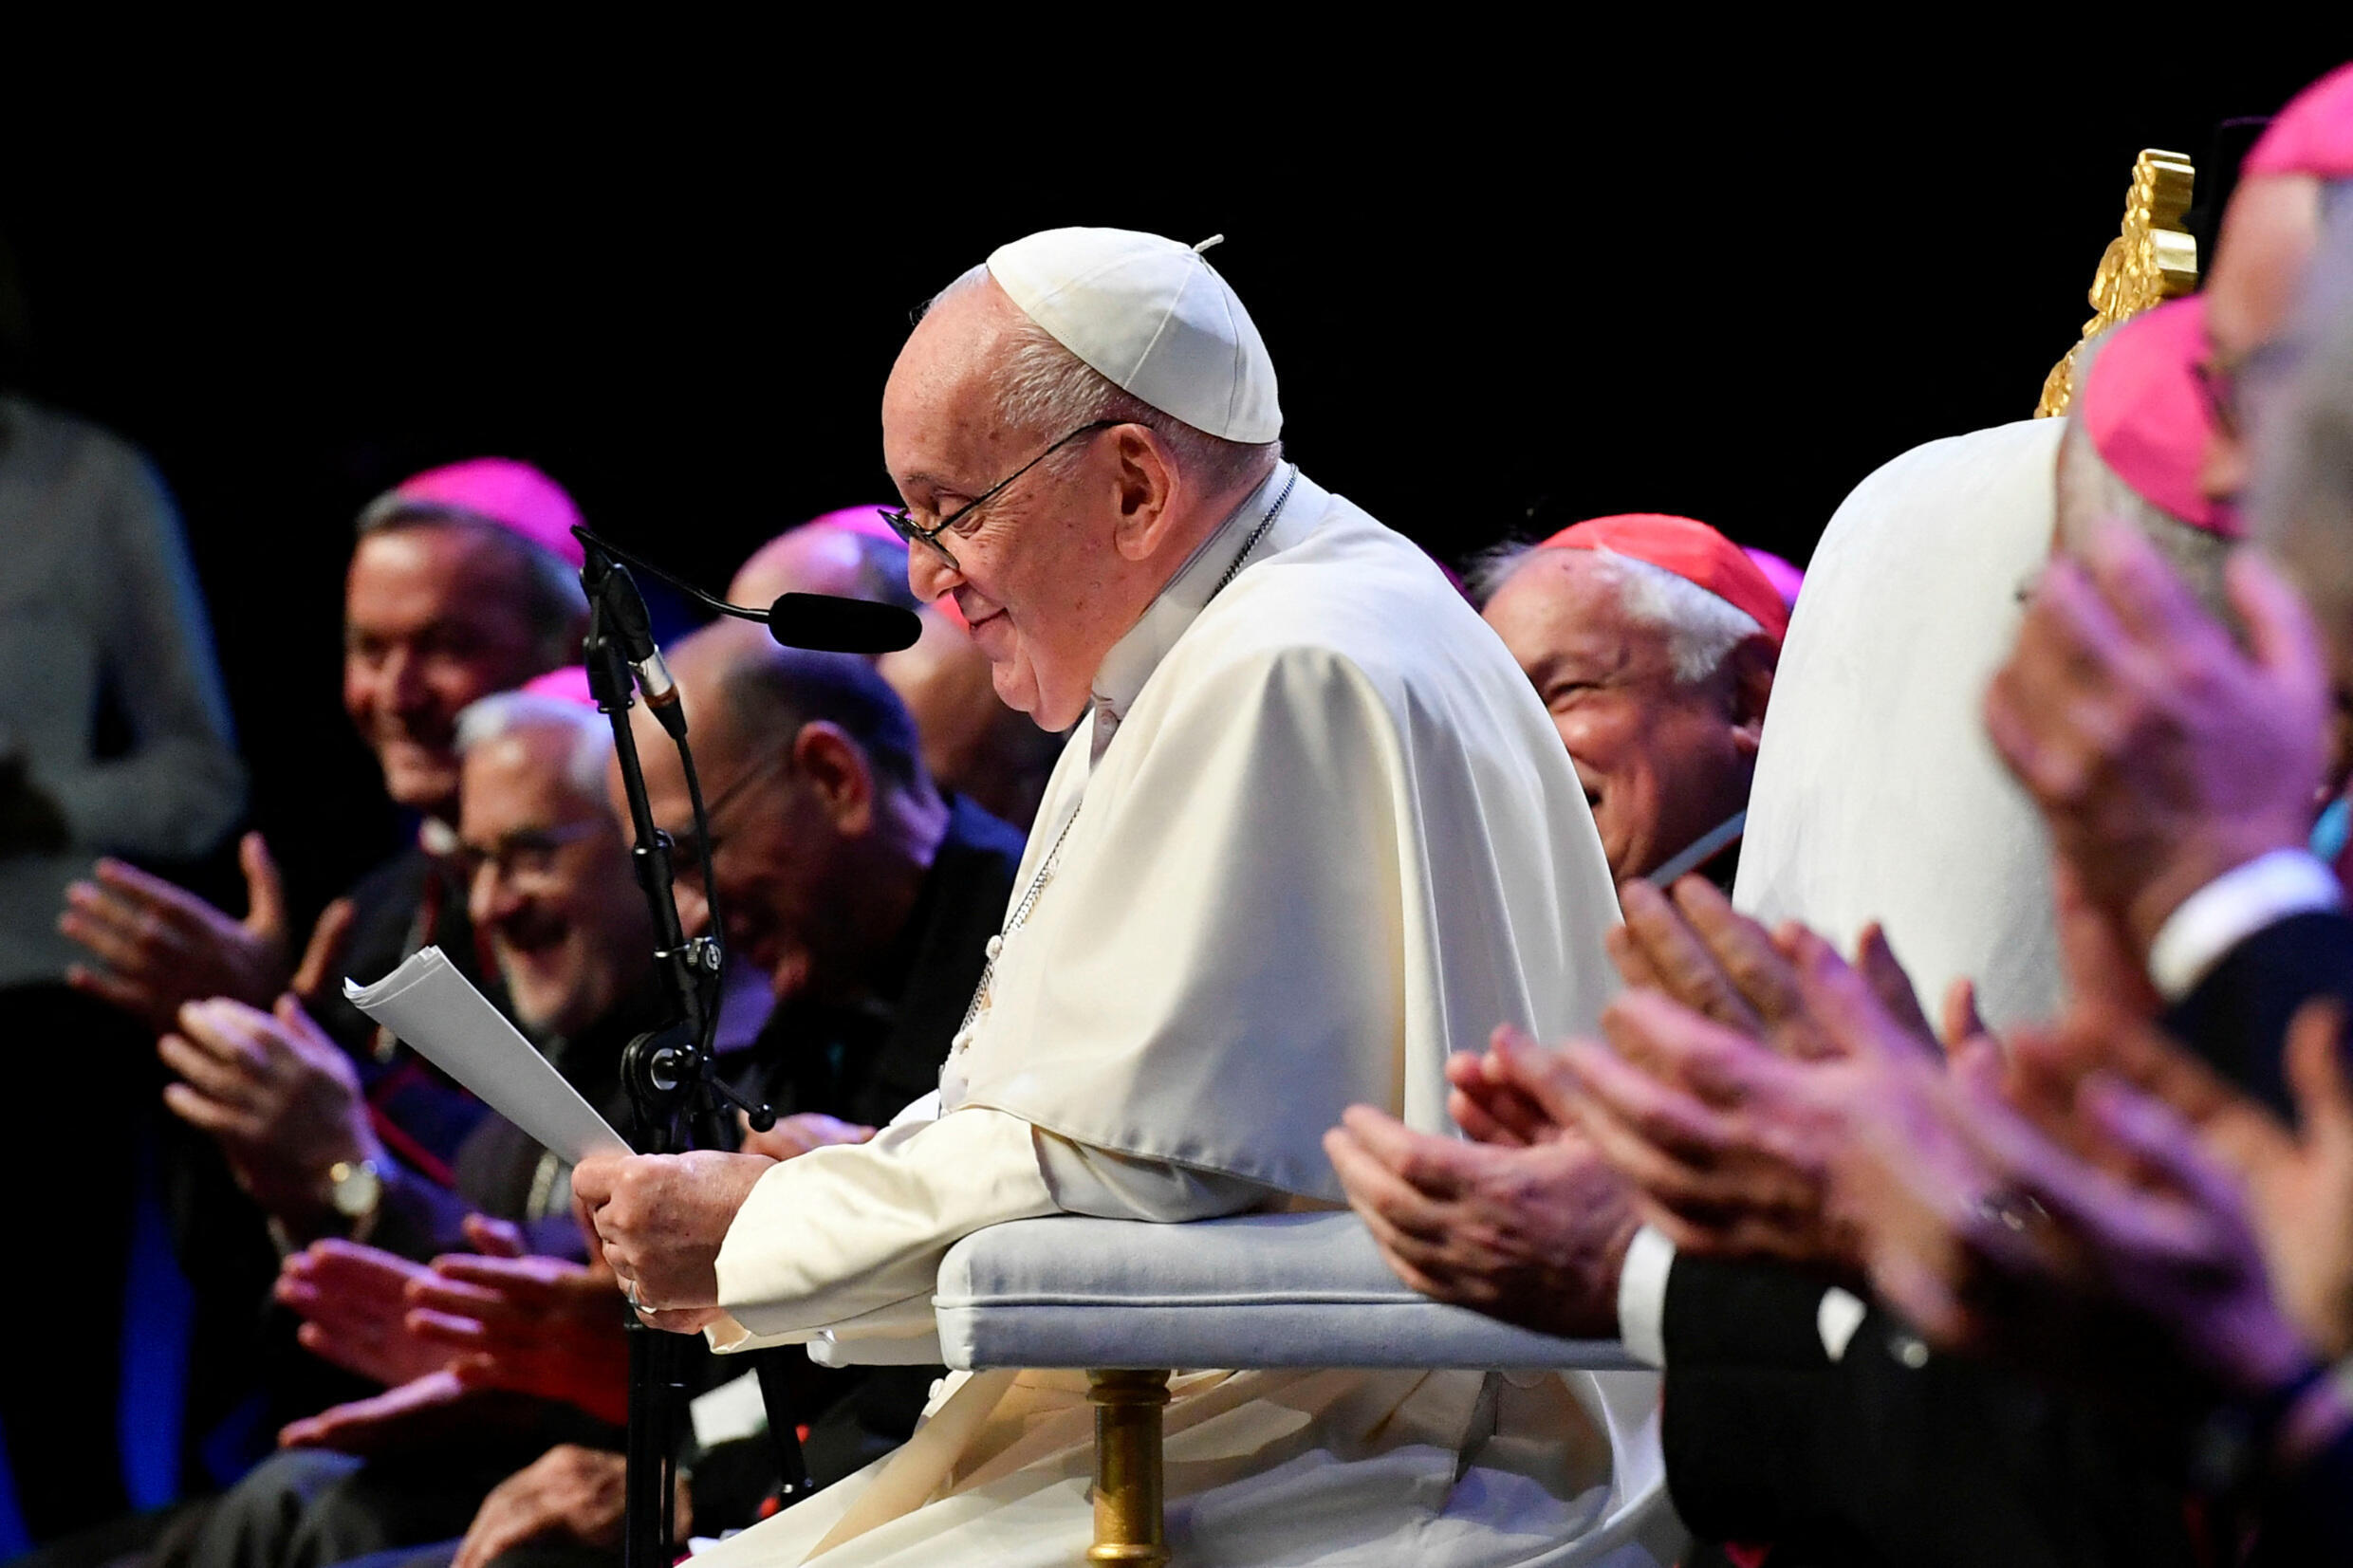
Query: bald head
x=824 y=556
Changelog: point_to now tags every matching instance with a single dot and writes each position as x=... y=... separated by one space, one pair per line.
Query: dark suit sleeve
x=1745 y=1388
x=2237 y=1018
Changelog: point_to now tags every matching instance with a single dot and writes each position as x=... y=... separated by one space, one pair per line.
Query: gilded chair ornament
x=2153 y=260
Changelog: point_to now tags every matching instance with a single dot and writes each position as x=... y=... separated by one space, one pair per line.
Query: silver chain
x=1053 y=857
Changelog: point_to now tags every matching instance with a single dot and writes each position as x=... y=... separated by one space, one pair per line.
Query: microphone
x=826 y=624
x=627 y=621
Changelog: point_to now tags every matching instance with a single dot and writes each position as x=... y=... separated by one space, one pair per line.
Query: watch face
x=355 y=1189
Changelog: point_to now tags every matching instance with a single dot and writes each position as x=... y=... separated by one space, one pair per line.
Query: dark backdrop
x=1627 y=285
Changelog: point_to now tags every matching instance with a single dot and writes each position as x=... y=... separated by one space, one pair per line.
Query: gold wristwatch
x=354 y=1188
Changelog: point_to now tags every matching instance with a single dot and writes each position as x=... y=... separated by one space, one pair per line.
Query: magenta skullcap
x=569 y=683
x=2312 y=136
x=499 y=490
x=2146 y=416
x=866 y=522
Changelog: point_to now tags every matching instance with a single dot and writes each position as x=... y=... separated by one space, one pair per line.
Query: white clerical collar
x=1134 y=658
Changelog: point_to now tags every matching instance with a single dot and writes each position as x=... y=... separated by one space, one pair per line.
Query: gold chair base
x=1129 y=1524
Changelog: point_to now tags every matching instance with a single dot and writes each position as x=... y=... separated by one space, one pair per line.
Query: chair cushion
x=1261 y=1290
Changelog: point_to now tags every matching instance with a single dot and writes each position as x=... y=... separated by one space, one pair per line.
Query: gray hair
x=552 y=603
x=1702 y=629
x=503 y=713
x=2302 y=501
x=2087 y=492
x=1044 y=388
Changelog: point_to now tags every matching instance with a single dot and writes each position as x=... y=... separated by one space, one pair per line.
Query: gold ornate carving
x=1129 y=1526
x=2153 y=260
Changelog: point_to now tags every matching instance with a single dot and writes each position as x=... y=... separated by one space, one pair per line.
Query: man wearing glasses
x=1312 y=835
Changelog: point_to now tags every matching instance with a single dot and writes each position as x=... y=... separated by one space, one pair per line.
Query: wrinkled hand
x=427 y=1409
x=2160 y=753
x=160 y=947
x=355 y=1308
x=661 y=1219
x=1690 y=944
x=1736 y=1149
x=2298 y=1182
x=795 y=1135
x=2031 y=1253
x=568 y=1493
x=534 y=1325
x=281 y=1097
x=1534 y=1234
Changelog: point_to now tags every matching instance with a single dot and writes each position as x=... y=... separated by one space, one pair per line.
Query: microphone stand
x=668 y=1071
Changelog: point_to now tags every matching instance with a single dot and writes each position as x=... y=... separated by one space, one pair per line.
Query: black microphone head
x=826 y=624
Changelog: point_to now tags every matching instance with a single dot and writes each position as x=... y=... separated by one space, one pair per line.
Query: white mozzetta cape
x=1877 y=796
x=1332 y=839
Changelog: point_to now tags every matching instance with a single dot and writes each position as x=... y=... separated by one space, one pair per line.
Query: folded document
x=436 y=1010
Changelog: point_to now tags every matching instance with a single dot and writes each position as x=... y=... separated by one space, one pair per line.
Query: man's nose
x=929 y=574
x=490 y=899
x=405 y=689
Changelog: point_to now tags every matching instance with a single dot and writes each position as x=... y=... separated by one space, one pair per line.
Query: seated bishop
x=1310 y=834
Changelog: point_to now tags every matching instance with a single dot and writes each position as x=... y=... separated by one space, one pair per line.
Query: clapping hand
x=534 y=1325
x=1527 y=1225
x=159 y=946
x=2161 y=755
x=281 y=1099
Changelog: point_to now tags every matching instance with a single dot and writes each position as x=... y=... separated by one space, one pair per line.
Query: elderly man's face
x=773 y=847
x=432 y=620
x=551 y=886
x=2260 y=259
x=1037 y=575
x=1662 y=761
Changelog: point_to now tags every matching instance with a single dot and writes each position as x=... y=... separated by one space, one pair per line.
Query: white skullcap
x=1154 y=318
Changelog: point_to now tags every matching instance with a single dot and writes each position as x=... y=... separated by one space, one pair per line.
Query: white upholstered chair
x=1127 y=1302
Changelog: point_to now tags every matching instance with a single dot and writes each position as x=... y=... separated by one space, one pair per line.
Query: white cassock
x=1318 y=835
x=1878 y=795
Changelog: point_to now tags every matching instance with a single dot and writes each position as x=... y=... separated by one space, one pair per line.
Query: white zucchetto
x=1154 y=318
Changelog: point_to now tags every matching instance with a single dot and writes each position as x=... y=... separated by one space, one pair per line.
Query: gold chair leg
x=1129 y=1527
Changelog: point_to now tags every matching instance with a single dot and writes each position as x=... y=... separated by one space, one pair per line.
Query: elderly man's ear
x=837 y=769
x=1144 y=481
x=1752 y=666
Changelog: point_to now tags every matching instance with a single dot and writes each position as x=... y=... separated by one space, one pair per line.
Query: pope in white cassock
x=1313 y=835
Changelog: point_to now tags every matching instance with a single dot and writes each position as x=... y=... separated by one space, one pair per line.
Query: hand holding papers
x=429 y=1005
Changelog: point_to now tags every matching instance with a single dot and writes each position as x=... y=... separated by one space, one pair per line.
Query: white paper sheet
x=435 y=1010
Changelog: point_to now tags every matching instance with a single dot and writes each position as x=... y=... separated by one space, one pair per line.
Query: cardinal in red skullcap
x=1651 y=640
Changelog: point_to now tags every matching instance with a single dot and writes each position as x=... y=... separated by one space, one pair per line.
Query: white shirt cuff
x=2232 y=907
x=1643 y=1297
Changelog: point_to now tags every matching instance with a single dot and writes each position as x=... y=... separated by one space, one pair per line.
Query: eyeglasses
x=904 y=524
x=2234 y=390
x=528 y=854
x=689 y=851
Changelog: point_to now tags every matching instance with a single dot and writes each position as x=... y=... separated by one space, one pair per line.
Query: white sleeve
x=1643 y=1297
x=853 y=1230
x=2232 y=907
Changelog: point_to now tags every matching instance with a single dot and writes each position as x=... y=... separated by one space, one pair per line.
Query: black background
x=1627 y=284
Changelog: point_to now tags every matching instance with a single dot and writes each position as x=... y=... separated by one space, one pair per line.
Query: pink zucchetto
x=2312 y=136
x=500 y=490
x=569 y=684
x=2146 y=416
x=864 y=521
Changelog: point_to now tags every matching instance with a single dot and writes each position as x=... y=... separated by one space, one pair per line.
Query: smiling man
x=1652 y=641
x=1312 y=834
